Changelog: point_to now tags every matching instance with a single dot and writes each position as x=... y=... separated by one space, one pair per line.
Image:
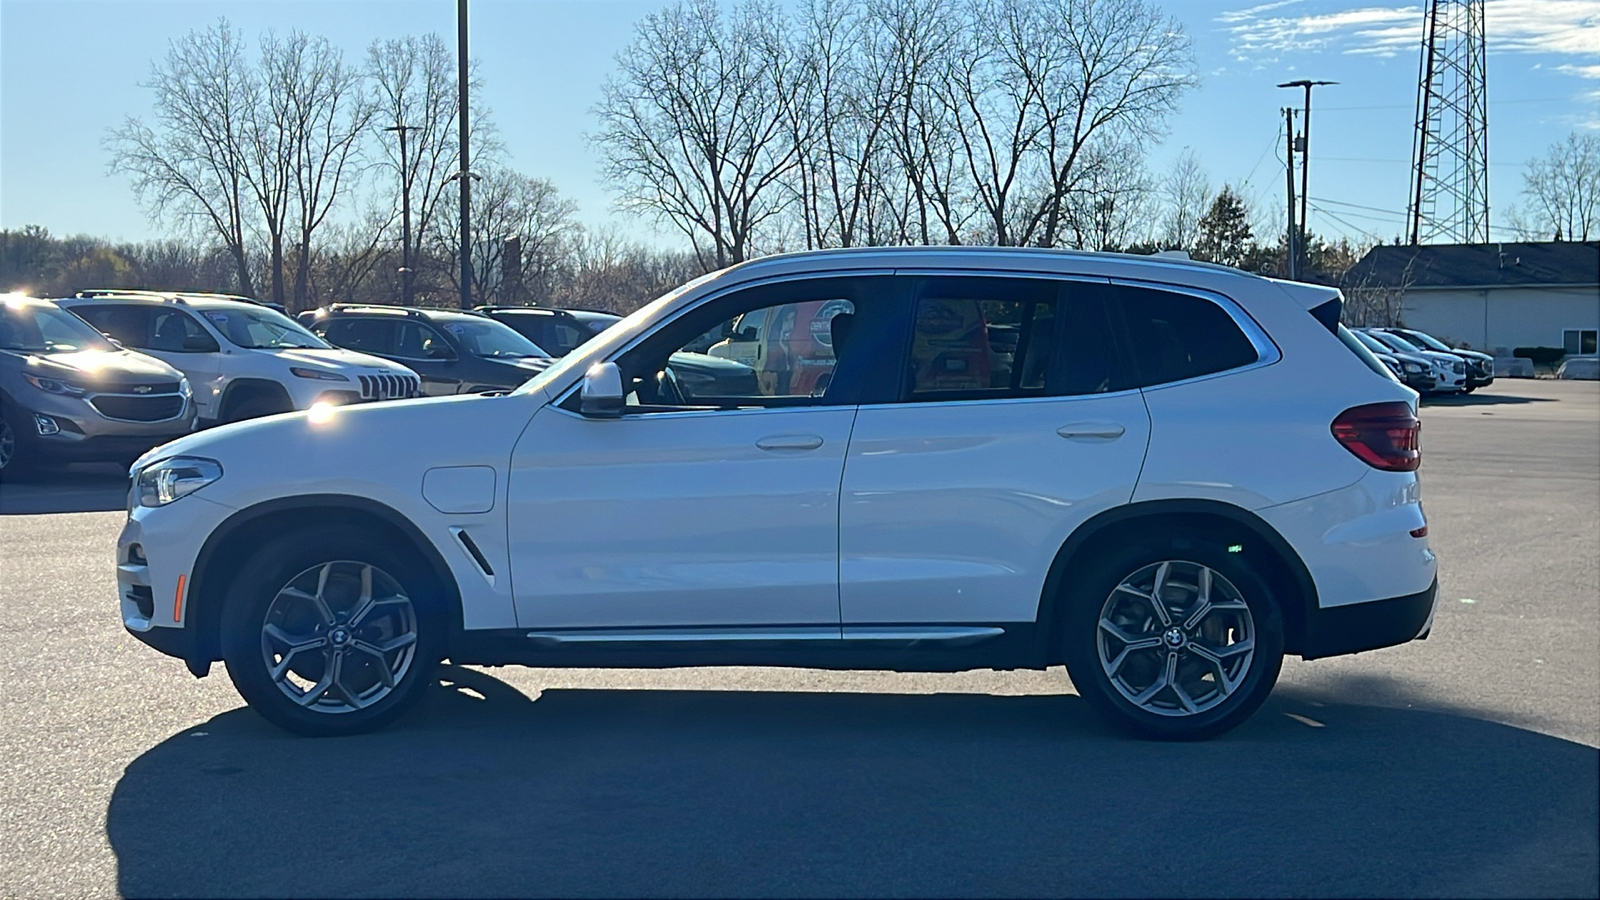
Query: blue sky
x=71 y=69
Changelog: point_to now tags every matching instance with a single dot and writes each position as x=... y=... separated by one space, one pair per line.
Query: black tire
x=1090 y=594
x=18 y=457
x=254 y=408
x=254 y=597
x=1469 y=389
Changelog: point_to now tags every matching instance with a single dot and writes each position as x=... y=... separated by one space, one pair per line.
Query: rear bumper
x=1339 y=630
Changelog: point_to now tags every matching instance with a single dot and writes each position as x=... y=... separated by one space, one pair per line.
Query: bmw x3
x=1174 y=476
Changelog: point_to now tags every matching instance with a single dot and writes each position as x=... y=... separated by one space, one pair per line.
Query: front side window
x=778 y=345
x=417 y=341
x=175 y=331
x=1173 y=336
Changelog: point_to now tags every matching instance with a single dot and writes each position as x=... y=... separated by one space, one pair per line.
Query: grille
x=130 y=408
x=389 y=387
x=155 y=387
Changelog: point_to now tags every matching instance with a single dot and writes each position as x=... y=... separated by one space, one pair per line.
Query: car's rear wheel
x=17 y=456
x=1174 y=638
x=327 y=632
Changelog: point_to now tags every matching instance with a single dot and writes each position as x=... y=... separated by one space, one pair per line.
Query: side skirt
x=895 y=648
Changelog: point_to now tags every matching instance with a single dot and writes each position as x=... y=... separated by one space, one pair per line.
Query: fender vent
x=473 y=551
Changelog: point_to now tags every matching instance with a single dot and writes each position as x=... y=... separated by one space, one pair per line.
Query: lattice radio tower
x=1450 y=152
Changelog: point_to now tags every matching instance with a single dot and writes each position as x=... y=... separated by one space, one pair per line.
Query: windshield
x=1394 y=342
x=262 y=329
x=1371 y=344
x=1432 y=343
x=492 y=340
x=37 y=328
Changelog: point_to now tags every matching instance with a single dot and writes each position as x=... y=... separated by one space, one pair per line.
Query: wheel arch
x=1210 y=520
x=230 y=544
x=241 y=390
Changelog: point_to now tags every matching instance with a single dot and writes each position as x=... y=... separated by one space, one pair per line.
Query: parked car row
x=1426 y=364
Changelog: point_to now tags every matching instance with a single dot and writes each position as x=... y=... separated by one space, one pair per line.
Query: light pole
x=1305 y=155
x=405 y=216
x=466 y=168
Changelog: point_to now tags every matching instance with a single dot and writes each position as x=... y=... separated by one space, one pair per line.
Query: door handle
x=790 y=442
x=1105 y=431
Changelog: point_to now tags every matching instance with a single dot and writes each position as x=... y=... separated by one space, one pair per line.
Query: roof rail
x=118 y=294
x=372 y=307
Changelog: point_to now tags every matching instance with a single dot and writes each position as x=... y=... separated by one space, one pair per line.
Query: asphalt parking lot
x=1465 y=765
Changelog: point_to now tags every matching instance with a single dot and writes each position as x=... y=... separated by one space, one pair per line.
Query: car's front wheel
x=1175 y=638
x=326 y=632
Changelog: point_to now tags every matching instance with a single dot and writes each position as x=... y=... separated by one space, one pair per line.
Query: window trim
x=1267 y=351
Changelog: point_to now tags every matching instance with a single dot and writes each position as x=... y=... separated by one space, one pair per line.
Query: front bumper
x=1357 y=627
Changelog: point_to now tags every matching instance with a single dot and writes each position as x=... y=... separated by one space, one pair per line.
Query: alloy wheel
x=1175 y=638
x=339 y=636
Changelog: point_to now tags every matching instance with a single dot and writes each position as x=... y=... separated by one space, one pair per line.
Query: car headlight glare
x=1412 y=367
x=175 y=478
x=54 y=385
x=317 y=374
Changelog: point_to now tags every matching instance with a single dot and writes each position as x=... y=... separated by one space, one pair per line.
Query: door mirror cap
x=600 y=396
x=196 y=342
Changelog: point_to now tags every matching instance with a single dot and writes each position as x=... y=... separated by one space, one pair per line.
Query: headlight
x=1412 y=367
x=184 y=388
x=317 y=374
x=54 y=385
x=171 y=479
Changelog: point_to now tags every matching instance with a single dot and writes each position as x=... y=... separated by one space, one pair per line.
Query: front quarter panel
x=380 y=453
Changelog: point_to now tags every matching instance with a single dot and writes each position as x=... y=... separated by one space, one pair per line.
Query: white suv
x=1175 y=475
x=243 y=359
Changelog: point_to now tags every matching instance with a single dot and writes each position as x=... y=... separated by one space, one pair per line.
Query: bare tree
x=692 y=127
x=191 y=166
x=505 y=205
x=1185 y=194
x=327 y=113
x=414 y=84
x=1563 y=191
x=1108 y=207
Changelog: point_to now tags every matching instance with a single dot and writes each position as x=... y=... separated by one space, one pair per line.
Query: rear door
x=961 y=483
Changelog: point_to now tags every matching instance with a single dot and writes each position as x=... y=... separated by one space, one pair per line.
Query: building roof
x=1543 y=263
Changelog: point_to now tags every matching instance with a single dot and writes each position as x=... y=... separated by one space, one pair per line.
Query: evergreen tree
x=1225 y=230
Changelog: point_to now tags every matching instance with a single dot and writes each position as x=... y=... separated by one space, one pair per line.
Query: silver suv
x=68 y=393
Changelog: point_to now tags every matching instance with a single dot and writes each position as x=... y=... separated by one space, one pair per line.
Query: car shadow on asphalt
x=72 y=489
x=485 y=792
x=1478 y=399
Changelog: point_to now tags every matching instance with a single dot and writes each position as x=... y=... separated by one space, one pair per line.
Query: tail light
x=1385 y=436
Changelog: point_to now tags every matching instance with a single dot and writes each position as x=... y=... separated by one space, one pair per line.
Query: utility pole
x=466 y=169
x=1291 y=244
x=1305 y=158
x=405 y=217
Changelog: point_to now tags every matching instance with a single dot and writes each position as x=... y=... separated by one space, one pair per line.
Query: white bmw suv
x=1166 y=475
x=243 y=359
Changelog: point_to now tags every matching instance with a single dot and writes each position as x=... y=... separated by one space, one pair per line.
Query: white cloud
x=1569 y=27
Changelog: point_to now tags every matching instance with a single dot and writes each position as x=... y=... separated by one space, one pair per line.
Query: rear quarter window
x=1173 y=336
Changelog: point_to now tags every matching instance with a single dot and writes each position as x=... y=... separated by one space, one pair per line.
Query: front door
x=694 y=509
x=1010 y=428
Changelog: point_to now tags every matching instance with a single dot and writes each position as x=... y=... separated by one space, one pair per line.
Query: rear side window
x=1175 y=336
x=128 y=324
x=365 y=335
x=988 y=338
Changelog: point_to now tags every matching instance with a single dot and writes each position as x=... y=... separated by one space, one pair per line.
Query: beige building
x=1491 y=297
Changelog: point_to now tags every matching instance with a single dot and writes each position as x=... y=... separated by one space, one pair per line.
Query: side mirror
x=748 y=333
x=440 y=352
x=600 y=396
x=198 y=343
